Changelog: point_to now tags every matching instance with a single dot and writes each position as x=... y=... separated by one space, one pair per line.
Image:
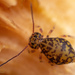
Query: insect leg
x=31 y=51
x=50 y=31
x=40 y=57
x=52 y=64
x=67 y=36
x=40 y=29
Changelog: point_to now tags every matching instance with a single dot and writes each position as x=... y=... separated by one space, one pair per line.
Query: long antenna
x=32 y=16
x=13 y=57
x=26 y=46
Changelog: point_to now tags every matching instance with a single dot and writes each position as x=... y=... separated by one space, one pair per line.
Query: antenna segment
x=32 y=16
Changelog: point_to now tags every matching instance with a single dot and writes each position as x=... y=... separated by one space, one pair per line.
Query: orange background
x=16 y=28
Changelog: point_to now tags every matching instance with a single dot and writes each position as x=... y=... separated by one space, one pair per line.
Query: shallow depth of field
x=16 y=28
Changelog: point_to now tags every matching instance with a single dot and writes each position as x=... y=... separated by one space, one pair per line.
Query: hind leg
x=67 y=36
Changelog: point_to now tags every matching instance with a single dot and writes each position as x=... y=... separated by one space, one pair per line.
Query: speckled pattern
x=57 y=50
x=35 y=40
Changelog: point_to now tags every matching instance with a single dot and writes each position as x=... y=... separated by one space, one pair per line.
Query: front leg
x=31 y=51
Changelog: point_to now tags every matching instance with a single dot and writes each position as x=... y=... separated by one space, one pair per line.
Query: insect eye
x=35 y=36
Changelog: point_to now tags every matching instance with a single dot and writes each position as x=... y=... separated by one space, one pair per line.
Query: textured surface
x=16 y=28
x=57 y=50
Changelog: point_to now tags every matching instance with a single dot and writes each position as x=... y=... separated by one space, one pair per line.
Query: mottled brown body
x=57 y=50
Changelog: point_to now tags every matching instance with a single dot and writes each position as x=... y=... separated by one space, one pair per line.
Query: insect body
x=57 y=50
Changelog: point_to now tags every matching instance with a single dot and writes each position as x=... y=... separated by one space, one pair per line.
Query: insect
x=58 y=50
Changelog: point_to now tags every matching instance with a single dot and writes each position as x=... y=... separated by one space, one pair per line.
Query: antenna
x=26 y=46
x=13 y=56
x=32 y=16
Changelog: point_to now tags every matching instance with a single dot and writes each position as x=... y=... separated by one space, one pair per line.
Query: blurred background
x=16 y=28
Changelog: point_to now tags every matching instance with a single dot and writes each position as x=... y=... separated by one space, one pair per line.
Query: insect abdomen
x=57 y=50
